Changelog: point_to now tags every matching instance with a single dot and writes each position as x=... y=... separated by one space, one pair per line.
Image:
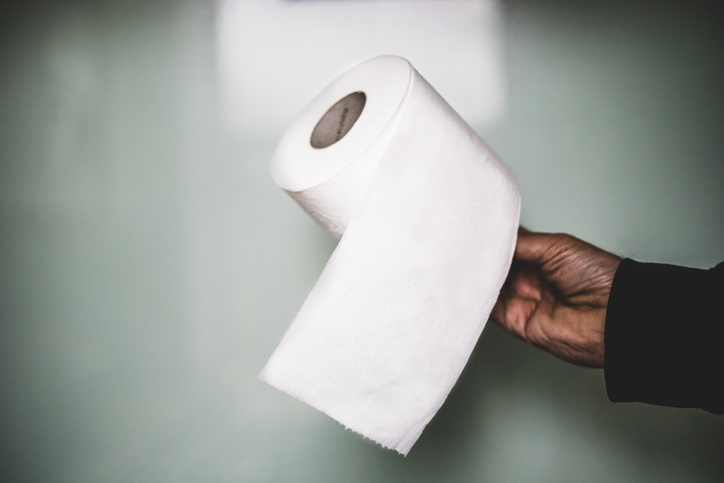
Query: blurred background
x=149 y=266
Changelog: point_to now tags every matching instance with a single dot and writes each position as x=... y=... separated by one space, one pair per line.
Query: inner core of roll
x=338 y=120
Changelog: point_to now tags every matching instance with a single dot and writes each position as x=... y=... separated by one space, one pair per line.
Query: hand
x=556 y=295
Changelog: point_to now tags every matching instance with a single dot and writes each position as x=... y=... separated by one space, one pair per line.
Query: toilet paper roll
x=427 y=217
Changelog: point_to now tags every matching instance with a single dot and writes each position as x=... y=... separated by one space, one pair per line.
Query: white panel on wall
x=275 y=56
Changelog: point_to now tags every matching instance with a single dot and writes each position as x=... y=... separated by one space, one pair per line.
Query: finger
x=506 y=318
x=538 y=248
x=513 y=314
x=497 y=315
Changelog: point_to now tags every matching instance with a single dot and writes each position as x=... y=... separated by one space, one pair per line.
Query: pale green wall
x=149 y=266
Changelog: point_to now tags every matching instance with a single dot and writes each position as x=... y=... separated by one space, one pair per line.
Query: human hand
x=556 y=295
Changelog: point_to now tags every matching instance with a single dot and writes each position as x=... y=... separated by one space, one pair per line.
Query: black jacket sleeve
x=664 y=336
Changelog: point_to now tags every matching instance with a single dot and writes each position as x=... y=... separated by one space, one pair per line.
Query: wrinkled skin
x=556 y=295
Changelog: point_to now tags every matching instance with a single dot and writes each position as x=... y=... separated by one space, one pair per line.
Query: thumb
x=539 y=248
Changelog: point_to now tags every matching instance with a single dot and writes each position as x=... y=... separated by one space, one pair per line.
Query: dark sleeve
x=664 y=336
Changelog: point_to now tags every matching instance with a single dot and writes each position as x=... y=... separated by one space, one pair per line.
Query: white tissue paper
x=427 y=218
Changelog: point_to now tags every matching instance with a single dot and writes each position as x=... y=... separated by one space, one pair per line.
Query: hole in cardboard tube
x=338 y=120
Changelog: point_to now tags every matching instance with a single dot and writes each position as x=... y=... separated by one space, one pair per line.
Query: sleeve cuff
x=663 y=336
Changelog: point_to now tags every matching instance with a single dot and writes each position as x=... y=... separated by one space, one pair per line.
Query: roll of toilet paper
x=427 y=217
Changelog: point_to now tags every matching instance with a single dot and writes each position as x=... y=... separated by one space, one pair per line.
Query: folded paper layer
x=427 y=217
